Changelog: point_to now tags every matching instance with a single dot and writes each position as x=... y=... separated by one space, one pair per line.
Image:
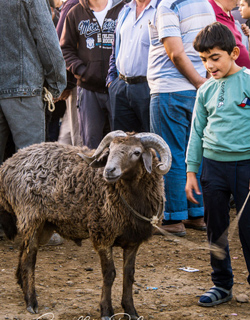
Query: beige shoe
x=177 y=229
x=55 y=240
x=197 y=224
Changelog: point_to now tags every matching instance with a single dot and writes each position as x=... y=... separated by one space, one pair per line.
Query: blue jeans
x=219 y=180
x=170 y=117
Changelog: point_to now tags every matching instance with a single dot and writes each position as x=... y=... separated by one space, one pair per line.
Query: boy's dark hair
x=215 y=35
x=248 y=2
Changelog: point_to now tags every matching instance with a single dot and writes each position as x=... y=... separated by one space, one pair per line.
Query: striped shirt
x=180 y=18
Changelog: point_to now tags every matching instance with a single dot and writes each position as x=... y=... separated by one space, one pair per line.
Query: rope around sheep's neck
x=154 y=220
x=213 y=248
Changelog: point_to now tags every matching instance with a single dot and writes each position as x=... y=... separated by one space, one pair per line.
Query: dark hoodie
x=87 y=46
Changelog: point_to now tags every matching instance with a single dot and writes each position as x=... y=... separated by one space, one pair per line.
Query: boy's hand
x=192 y=184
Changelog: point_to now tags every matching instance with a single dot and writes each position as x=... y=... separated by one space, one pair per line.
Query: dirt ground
x=68 y=281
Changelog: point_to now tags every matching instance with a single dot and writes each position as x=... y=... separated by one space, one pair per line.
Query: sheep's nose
x=110 y=170
x=111 y=174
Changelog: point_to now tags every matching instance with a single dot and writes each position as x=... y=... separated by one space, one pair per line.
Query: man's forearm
x=175 y=51
x=185 y=67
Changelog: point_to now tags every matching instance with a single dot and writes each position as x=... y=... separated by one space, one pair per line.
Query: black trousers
x=219 y=180
x=130 y=106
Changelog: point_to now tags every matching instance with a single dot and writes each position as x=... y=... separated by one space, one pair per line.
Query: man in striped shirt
x=175 y=72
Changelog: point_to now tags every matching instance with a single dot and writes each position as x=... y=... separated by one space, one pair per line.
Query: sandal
x=215 y=296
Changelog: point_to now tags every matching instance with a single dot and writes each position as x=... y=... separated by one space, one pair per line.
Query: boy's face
x=244 y=9
x=219 y=63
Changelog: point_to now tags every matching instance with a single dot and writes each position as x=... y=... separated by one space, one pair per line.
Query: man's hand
x=192 y=184
x=64 y=95
x=245 y=29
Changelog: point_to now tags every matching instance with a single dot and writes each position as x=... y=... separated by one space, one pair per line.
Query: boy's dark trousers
x=219 y=180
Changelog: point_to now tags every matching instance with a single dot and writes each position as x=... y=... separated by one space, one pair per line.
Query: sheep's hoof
x=31 y=310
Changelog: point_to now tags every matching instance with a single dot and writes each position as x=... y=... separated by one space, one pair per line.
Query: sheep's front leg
x=26 y=276
x=129 y=255
x=108 y=273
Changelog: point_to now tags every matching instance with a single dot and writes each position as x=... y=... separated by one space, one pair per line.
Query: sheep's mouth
x=112 y=179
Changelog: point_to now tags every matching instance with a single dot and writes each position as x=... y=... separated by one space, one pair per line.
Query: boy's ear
x=235 y=53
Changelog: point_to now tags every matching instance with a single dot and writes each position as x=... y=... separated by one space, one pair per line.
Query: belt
x=133 y=80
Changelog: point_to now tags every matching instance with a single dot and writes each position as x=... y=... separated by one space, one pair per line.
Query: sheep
x=111 y=195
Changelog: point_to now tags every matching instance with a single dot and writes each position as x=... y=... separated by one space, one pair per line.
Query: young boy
x=220 y=136
x=244 y=9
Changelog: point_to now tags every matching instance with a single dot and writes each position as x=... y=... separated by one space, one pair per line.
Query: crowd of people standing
x=112 y=65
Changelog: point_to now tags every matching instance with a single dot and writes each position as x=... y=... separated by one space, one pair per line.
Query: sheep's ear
x=101 y=160
x=147 y=160
x=98 y=164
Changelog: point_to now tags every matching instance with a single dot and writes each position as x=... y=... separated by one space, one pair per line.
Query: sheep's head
x=123 y=158
x=120 y=153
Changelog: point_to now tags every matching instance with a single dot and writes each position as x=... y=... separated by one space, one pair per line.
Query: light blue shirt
x=132 y=59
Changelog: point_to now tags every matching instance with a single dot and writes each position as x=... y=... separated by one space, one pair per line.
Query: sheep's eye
x=137 y=153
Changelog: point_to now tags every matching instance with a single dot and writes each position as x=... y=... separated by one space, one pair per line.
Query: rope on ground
x=215 y=249
x=234 y=224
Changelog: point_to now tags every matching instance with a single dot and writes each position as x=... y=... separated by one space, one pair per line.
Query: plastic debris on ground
x=189 y=269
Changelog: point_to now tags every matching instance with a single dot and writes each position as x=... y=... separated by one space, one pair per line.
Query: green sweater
x=221 y=121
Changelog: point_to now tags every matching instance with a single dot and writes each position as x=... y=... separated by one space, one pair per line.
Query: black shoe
x=2 y=234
